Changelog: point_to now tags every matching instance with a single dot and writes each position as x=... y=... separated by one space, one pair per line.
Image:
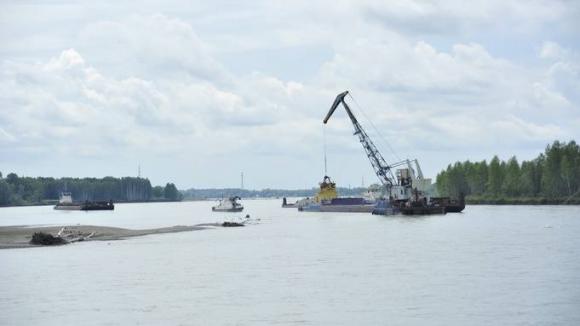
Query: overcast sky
x=198 y=92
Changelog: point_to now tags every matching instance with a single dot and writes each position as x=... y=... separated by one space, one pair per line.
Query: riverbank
x=521 y=201
x=53 y=202
x=19 y=236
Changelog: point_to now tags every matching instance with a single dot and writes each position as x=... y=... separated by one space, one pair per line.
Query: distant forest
x=264 y=193
x=552 y=177
x=15 y=190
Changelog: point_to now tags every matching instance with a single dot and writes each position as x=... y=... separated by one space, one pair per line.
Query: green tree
x=531 y=177
x=511 y=182
x=570 y=167
x=158 y=192
x=12 y=178
x=443 y=182
x=457 y=183
x=171 y=192
x=567 y=169
x=4 y=193
x=494 y=180
x=552 y=183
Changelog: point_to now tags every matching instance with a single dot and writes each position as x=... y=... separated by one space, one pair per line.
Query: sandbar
x=19 y=236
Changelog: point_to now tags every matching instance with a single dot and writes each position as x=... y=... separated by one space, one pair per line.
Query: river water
x=508 y=265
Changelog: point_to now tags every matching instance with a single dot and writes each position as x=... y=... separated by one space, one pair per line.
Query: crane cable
x=324 y=147
x=381 y=137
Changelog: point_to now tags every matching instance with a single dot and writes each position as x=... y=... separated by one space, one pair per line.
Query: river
x=508 y=265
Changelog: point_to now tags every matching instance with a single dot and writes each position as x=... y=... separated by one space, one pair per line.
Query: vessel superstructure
x=230 y=204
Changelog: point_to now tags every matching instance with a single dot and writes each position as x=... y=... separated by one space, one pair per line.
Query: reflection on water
x=490 y=265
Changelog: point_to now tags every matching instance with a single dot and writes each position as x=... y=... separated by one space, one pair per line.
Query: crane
x=382 y=169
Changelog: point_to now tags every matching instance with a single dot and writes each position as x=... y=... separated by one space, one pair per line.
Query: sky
x=197 y=92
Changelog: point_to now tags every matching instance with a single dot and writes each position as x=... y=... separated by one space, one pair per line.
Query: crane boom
x=382 y=169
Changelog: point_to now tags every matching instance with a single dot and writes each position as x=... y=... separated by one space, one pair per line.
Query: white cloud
x=153 y=46
x=551 y=50
x=152 y=87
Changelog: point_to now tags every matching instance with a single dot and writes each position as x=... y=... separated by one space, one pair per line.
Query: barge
x=451 y=205
x=66 y=203
x=327 y=200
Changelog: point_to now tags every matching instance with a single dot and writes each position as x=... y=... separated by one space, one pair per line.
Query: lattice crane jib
x=379 y=164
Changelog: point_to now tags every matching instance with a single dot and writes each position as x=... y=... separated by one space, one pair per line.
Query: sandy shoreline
x=19 y=236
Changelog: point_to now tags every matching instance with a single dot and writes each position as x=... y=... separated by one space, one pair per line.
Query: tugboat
x=228 y=205
x=65 y=202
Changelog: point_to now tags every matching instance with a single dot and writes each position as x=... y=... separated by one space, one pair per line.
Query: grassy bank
x=485 y=200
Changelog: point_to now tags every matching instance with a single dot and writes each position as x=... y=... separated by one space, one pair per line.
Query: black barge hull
x=422 y=210
x=87 y=206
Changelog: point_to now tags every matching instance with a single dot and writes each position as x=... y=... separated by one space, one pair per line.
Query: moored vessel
x=66 y=202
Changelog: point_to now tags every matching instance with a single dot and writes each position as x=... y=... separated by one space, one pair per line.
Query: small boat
x=228 y=205
x=285 y=204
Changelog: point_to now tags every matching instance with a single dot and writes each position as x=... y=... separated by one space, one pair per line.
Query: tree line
x=15 y=190
x=553 y=176
x=198 y=194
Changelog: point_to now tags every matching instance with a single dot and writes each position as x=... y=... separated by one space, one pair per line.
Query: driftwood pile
x=46 y=239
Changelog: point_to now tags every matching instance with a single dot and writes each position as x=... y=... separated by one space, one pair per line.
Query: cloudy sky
x=198 y=92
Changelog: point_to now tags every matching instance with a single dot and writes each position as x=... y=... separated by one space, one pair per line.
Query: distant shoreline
x=54 y=202
x=523 y=201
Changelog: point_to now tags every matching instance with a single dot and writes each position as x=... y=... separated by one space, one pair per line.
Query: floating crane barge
x=407 y=192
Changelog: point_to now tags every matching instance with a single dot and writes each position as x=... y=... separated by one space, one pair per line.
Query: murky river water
x=492 y=265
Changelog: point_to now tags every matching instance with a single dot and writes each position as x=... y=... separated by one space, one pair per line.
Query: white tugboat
x=65 y=202
x=228 y=205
